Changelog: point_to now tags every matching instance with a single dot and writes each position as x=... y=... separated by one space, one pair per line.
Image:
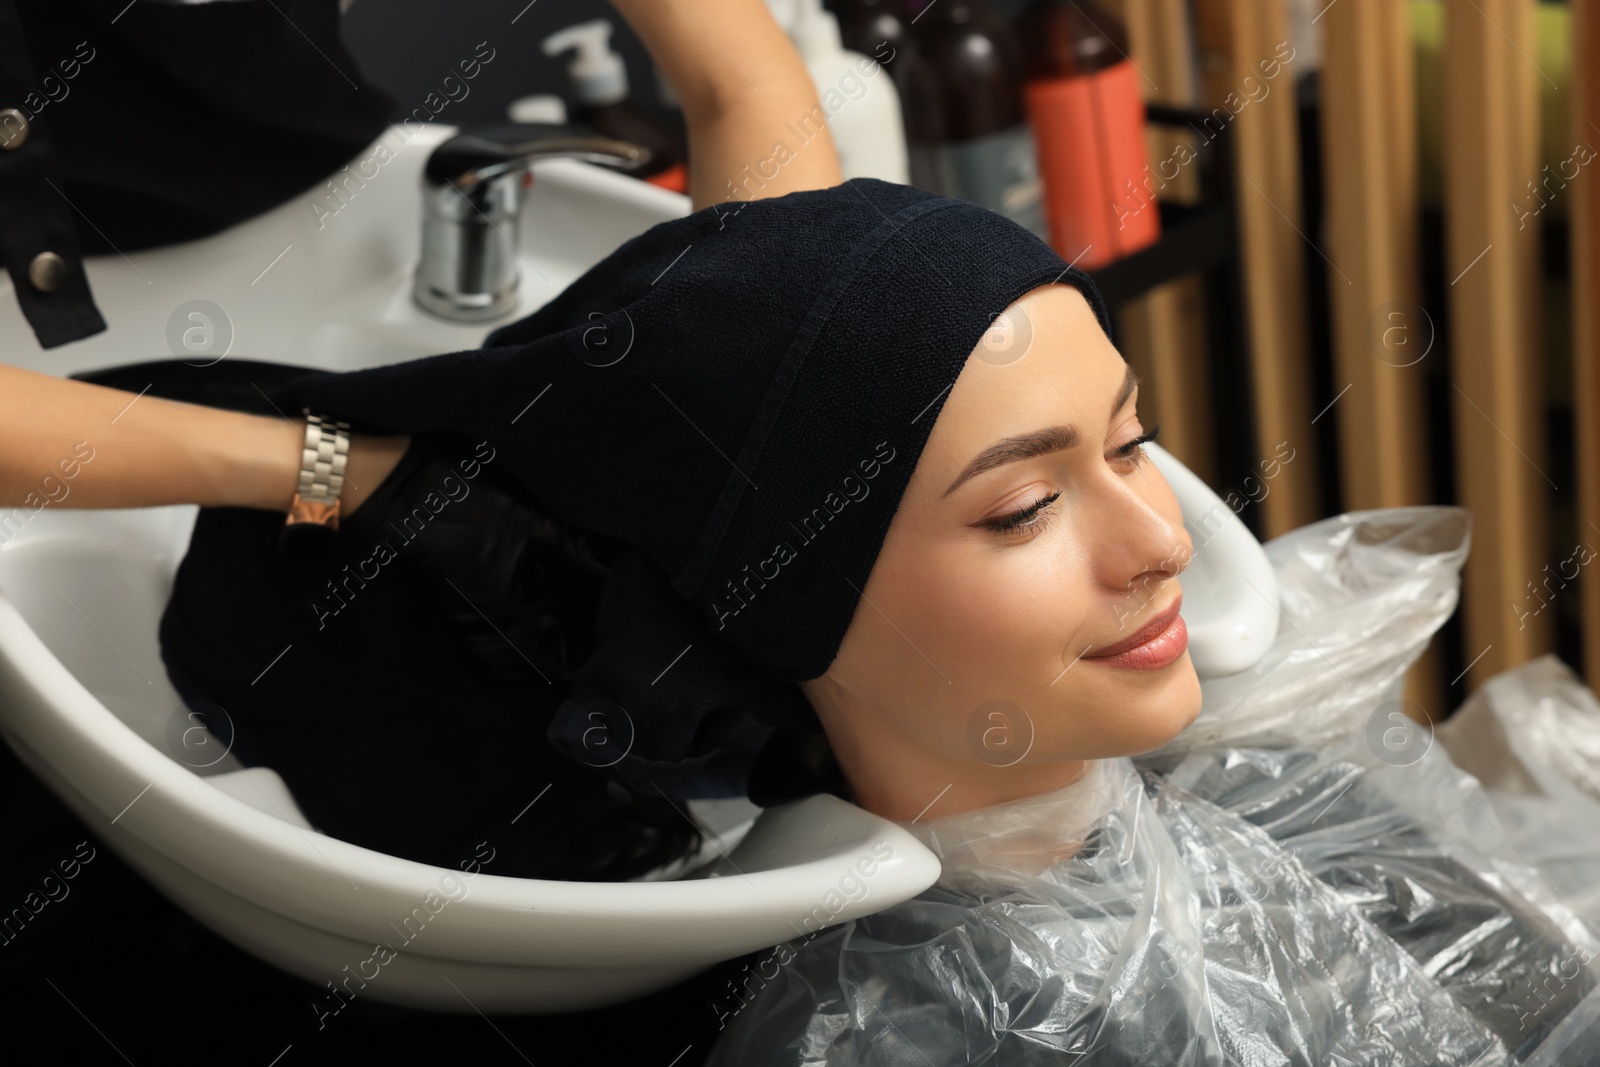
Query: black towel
x=731 y=404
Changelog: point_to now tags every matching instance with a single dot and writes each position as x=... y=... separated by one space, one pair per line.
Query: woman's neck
x=1029 y=835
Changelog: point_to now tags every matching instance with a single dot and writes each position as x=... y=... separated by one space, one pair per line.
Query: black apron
x=151 y=123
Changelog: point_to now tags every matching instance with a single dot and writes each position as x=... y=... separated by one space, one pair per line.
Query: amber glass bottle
x=976 y=143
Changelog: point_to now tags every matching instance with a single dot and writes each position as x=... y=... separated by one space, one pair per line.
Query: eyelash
x=1024 y=522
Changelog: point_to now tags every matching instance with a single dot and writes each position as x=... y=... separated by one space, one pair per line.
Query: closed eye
x=1035 y=517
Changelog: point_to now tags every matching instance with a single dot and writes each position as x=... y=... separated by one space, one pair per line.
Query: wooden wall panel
x=1163 y=333
x=1381 y=333
x=1585 y=222
x=1370 y=148
x=1491 y=151
x=1233 y=38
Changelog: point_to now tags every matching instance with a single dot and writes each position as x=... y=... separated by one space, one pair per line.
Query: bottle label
x=998 y=171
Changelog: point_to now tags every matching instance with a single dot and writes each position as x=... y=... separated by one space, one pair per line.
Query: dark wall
x=409 y=46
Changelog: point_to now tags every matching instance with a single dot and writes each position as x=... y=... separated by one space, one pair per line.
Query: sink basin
x=325 y=280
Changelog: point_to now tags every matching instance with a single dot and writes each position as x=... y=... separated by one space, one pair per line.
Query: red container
x=1087 y=113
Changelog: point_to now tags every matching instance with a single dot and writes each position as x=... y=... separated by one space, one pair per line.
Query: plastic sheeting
x=1304 y=876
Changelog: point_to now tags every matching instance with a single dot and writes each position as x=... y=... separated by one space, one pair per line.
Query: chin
x=1147 y=718
x=1178 y=706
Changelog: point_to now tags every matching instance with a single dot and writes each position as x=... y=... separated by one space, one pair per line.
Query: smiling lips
x=1155 y=645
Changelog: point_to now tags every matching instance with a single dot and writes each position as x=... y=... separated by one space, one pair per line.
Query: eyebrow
x=1037 y=442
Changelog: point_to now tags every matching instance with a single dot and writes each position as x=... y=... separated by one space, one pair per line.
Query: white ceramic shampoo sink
x=84 y=701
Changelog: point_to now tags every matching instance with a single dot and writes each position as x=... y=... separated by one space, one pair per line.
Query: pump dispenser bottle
x=881 y=30
x=857 y=94
x=600 y=87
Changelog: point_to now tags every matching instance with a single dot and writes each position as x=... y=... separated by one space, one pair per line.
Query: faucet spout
x=472 y=197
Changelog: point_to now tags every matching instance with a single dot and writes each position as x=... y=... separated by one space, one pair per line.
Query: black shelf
x=1192 y=239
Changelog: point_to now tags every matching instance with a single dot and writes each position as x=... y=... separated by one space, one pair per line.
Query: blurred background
x=1353 y=249
x=1351 y=245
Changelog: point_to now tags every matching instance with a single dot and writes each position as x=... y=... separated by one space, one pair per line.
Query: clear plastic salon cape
x=1300 y=877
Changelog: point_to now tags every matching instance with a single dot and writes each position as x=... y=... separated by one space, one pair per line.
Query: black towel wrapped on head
x=727 y=410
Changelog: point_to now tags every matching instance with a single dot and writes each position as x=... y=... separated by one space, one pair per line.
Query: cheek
x=990 y=617
x=1027 y=604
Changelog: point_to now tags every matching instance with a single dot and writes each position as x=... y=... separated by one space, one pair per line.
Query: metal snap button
x=47 y=272
x=13 y=129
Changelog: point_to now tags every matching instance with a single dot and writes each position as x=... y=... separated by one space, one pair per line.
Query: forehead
x=1045 y=362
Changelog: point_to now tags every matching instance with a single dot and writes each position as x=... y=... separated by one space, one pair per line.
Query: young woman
x=829 y=485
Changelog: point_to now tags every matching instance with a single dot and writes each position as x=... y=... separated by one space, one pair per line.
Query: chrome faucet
x=472 y=194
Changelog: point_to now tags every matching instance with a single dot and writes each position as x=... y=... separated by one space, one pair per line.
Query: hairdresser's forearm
x=741 y=82
x=734 y=157
x=78 y=445
x=74 y=444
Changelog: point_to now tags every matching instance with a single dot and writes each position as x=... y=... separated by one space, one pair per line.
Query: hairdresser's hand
x=740 y=81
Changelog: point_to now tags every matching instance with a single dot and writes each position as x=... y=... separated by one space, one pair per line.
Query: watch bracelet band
x=322 y=471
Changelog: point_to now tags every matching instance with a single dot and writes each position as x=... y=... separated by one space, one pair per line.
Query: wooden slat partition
x=1370 y=172
x=1233 y=38
x=1585 y=222
x=1162 y=334
x=1381 y=334
x=1162 y=45
x=1491 y=151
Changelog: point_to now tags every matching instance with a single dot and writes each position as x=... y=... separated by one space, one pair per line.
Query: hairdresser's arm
x=74 y=444
x=740 y=81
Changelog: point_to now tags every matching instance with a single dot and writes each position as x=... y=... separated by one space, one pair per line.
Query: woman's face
x=964 y=662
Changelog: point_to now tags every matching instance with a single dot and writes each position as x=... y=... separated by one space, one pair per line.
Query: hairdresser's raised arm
x=72 y=444
x=740 y=81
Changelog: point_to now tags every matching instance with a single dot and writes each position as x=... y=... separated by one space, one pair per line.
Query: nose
x=1144 y=540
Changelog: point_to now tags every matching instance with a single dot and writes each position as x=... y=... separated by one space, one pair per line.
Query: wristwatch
x=322 y=464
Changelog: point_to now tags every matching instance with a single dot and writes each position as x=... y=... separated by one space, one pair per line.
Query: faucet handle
x=480 y=155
